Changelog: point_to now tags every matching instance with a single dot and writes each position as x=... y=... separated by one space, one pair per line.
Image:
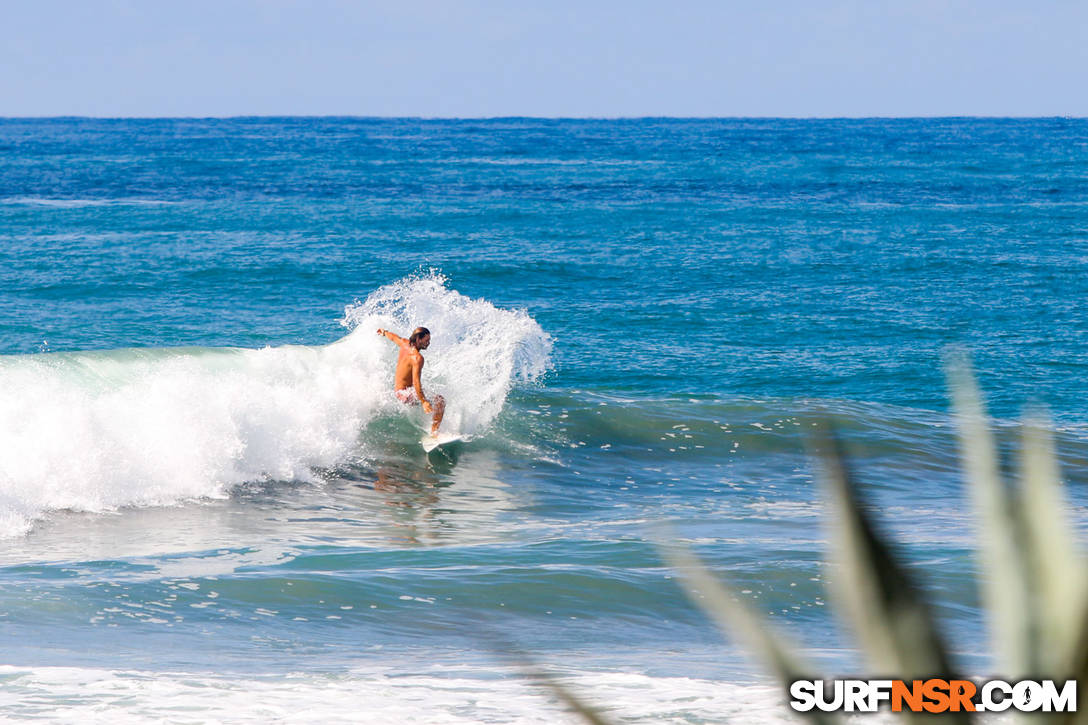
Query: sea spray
x=477 y=353
x=95 y=431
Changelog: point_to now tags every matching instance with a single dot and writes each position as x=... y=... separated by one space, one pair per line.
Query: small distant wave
x=537 y=161
x=514 y=161
x=94 y=431
x=76 y=203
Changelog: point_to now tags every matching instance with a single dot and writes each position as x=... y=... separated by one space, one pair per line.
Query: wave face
x=94 y=431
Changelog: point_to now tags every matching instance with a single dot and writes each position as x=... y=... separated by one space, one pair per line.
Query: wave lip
x=95 y=431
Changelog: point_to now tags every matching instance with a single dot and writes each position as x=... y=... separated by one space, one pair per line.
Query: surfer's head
x=420 y=339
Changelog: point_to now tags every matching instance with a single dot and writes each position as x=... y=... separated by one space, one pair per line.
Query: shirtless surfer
x=406 y=381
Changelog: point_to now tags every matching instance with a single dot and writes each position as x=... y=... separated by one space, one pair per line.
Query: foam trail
x=94 y=431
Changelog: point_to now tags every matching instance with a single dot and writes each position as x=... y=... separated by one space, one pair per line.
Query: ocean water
x=212 y=509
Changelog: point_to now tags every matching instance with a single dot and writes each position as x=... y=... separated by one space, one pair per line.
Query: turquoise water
x=205 y=479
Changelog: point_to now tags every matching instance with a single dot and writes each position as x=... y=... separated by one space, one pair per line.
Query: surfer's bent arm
x=393 y=337
x=417 y=383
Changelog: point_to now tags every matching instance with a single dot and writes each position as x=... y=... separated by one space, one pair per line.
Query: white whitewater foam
x=95 y=431
x=440 y=696
x=477 y=353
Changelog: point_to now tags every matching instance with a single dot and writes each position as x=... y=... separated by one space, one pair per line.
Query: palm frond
x=1006 y=577
x=1059 y=570
x=882 y=603
x=728 y=610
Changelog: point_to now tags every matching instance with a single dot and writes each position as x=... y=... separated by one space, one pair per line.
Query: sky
x=550 y=58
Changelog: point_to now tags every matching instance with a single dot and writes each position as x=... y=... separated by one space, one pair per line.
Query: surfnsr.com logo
x=934 y=695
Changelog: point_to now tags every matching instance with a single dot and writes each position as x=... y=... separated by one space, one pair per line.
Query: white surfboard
x=430 y=442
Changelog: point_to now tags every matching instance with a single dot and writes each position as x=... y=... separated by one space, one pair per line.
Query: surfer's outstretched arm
x=394 y=337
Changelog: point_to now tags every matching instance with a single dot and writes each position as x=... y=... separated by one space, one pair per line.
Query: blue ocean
x=214 y=509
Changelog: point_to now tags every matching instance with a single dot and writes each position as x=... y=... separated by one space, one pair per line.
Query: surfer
x=406 y=381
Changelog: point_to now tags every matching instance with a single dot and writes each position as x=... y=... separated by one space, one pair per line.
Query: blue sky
x=547 y=58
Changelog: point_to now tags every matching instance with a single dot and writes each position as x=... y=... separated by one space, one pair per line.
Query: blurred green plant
x=1032 y=577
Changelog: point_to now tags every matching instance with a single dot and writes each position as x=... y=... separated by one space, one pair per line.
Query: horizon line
x=68 y=117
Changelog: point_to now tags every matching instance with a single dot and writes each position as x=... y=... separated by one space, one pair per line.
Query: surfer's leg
x=439 y=411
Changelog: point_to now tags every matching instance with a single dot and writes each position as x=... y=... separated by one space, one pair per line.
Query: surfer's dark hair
x=418 y=334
